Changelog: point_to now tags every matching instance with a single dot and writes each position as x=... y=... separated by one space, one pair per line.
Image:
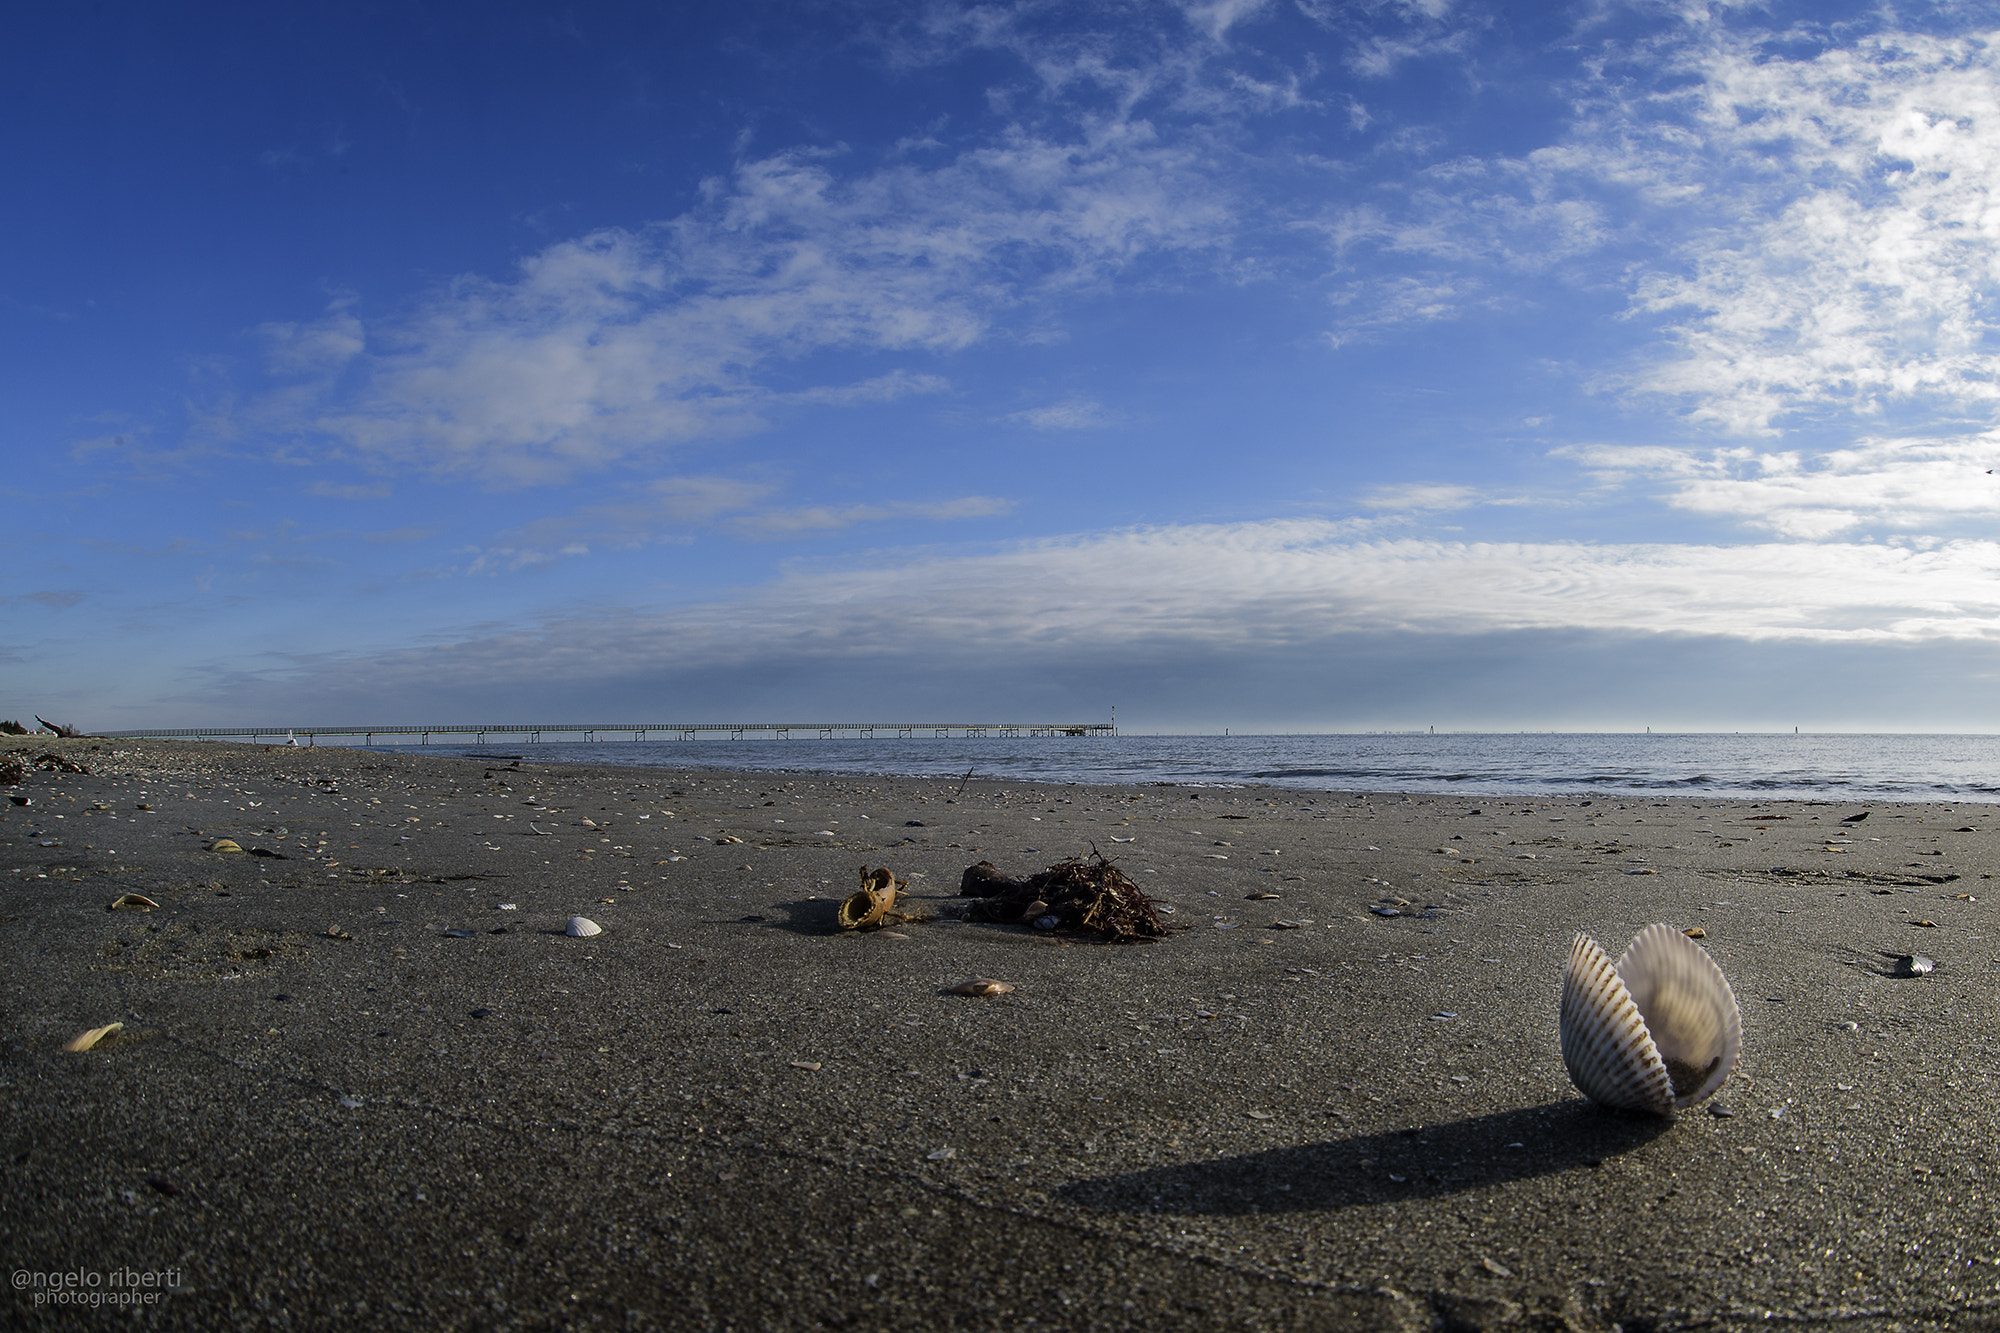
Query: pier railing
x=638 y=731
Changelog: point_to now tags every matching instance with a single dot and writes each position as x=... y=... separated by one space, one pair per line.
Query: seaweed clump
x=1074 y=897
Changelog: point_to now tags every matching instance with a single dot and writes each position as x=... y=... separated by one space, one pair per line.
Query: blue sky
x=1288 y=365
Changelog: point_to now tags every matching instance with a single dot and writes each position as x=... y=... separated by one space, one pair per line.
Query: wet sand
x=352 y=1090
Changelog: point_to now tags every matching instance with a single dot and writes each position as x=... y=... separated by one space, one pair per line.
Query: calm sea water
x=1913 y=768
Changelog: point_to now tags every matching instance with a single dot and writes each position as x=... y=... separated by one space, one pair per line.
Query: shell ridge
x=1688 y=1008
x=1606 y=1046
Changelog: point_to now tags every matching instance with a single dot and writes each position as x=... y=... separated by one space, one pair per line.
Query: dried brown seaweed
x=1074 y=897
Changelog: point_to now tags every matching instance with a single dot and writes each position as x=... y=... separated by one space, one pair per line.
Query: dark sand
x=721 y=1114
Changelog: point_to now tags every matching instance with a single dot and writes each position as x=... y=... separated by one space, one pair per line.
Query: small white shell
x=1658 y=1032
x=581 y=926
x=980 y=986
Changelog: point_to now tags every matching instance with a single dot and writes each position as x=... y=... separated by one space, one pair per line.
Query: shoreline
x=1342 y=1121
x=1722 y=766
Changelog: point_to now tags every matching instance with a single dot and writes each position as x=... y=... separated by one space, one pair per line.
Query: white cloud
x=1420 y=496
x=1453 y=238
x=315 y=348
x=617 y=346
x=1071 y=414
x=665 y=510
x=336 y=491
x=1844 y=252
x=1873 y=484
x=881 y=389
x=831 y=518
x=1158 y=595
x=1305 y=579
x=1816 y=237
x=1217 y=17
x=673 y=509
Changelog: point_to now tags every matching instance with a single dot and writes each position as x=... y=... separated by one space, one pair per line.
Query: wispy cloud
x=1851 y=257
x=665 y=510
x=1071 y=414
x=54 y=599
x=1228 y=592
x=397 y=536
x=888 y=388
x=674 y=509
x=1422 y=497
x=1806 y=219
x=618 y=346
x=830 y=518
x=330 y=490
x=1926 y=485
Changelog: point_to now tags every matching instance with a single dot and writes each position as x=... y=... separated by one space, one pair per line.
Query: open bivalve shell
x=870 y=905
x=1658 y=1031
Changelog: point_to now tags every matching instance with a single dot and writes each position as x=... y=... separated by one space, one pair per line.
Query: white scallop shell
x=1659 y=1031
x=580 y=926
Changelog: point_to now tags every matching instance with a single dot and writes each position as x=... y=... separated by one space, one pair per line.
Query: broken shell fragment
x=582 y=927
x=225 y=845
x=138 y=900
x=1914 y=965
x=980 y=986
x=1660 y=1031
x=871 y=903
x=89 y=1039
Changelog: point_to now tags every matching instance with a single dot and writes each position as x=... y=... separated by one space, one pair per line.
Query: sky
x=1282 y=365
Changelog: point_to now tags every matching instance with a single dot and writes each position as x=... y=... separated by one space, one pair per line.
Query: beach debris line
x=1072 y=897
x=1658 y=1031
x=15 y=770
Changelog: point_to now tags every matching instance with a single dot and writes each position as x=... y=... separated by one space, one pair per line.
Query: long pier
x=638 y=731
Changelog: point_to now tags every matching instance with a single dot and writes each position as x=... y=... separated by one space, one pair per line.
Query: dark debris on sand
x=1073 y=897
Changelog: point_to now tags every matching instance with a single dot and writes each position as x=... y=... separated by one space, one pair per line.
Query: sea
x=1727 y=766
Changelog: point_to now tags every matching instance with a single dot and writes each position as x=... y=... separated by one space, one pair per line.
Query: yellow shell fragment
x=980 y=986
x=869 y=905
x=92 y=1037
x=138 y=900
x=225 y=845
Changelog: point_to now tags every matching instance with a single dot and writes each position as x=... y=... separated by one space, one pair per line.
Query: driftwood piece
x=984 y=881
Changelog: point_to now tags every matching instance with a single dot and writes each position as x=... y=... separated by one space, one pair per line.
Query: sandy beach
x=365 y=1079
